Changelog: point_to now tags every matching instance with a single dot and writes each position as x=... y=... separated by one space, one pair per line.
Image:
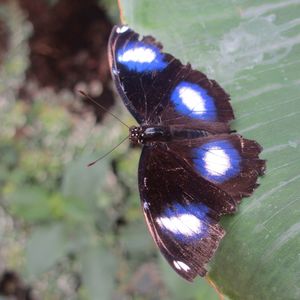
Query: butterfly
x=193 y=168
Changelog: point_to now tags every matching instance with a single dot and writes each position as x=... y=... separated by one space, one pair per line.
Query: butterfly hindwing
x=186 y=187
x=157 y=88
x=229 y=162
x=184 y=228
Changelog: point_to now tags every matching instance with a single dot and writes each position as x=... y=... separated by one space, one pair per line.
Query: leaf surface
x=252 y=49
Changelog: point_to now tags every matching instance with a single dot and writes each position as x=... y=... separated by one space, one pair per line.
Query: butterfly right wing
x=177 y=213
x=229 y=162
x=158 y=89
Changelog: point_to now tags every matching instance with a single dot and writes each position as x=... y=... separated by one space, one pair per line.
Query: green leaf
x=45 y=247
x=82 y=182
x=136 y=241
x=252 y=49
x=30 y=203
x=90 y=186
x=98 y=272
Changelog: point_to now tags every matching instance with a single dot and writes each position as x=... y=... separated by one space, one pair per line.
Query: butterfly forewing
x=183 y=226
x=158 y=89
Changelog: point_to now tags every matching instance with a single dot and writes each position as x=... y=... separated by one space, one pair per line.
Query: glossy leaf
x=45 y=247
x=252 y=49
x=98 y=272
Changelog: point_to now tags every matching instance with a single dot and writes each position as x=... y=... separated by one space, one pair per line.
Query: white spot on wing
x=146 y=205
x=217 y=162
x=179 y=265
x=185 y=224
x=192 y=100
x=145 y=182
x=115 y=71
x=138 y=55
x=122 y=29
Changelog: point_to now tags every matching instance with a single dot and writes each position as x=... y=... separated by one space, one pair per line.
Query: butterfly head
x=136 y=135
x=148 y=134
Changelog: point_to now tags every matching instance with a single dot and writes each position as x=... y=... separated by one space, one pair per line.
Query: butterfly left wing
x=184 y=227
x=186 y=185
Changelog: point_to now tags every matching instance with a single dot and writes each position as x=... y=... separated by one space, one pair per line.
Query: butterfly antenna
x=110 y=151
x=102 y=107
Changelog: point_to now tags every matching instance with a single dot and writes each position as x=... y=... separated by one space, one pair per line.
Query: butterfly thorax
x=147 y=134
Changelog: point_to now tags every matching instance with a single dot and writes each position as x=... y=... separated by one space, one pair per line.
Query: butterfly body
x=149 y=134
x=193 y=168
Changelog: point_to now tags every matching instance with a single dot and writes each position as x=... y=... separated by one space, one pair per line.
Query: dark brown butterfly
x=193 y=168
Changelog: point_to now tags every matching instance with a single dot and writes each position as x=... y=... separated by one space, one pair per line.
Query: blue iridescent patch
x=192 y=100
x=141 y=57
x=217 y=161
x=185 y=222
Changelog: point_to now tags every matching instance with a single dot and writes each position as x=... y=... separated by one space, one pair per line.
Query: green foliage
x=68 y=205
x=252 y=49
x=62 y=207
x=45 y=247
x=98 y=269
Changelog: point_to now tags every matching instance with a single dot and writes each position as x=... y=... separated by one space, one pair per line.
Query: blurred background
x=72 y=232
x=66 y=231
